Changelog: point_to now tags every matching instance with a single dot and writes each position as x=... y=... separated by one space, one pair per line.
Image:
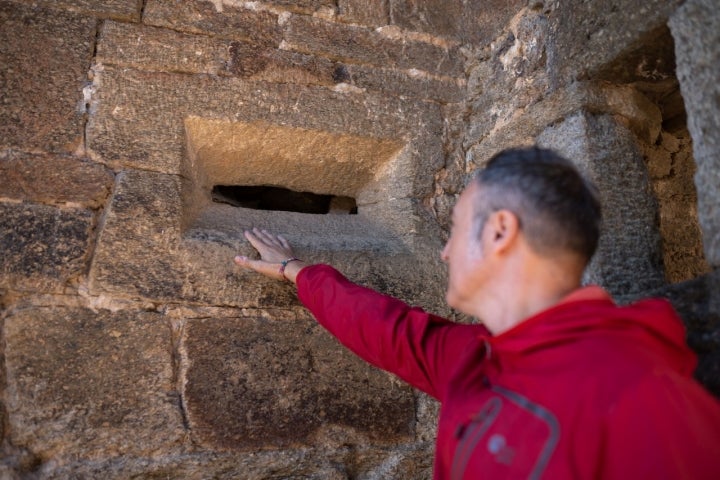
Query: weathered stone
x=355 y=44
x=216 y=18
x=252 y=383
x=407 y=462
x=84 y=384
x=325 y=7
x=629 y=257
x=475 y=22
x=53 y=179
x=437 y=17
x=696 y=29
x=126 y=10
x=154 y=139
x=401 y=83
x=592 y=38
x=161 y=49
x=239 y=153
x=144 y=251
x=43 y=247
x=42 y=76
x=672 y=163
x=625 y=103
x=507 y=77
x=373 y=13
x=282 y=66
x=134 y=256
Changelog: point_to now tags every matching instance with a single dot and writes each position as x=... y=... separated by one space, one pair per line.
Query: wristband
x=284 y=264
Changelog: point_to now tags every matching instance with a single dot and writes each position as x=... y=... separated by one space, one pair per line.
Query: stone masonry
x=130 y=345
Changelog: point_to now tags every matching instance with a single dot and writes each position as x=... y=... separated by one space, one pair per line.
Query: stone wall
x=131 y=345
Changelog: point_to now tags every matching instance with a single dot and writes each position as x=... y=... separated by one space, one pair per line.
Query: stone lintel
x=133 y=125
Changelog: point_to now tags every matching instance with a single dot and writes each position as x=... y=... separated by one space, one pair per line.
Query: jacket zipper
x=471 y=436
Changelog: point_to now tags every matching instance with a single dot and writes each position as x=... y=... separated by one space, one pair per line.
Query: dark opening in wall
x=282 y=199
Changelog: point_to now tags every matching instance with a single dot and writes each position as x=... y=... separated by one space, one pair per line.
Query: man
x=556 y=381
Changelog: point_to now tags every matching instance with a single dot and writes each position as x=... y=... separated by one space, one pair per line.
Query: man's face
x=464 y=253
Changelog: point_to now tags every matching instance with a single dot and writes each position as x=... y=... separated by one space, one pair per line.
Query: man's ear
x=503 y=228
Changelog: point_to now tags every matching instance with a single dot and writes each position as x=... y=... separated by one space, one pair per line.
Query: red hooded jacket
x=585 y=389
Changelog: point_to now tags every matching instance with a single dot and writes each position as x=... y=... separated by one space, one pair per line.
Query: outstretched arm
x=382 y=330
x=274 y=251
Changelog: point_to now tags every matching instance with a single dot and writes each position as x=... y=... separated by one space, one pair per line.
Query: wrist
x=292 y=269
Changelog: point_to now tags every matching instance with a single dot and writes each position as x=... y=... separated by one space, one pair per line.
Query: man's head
x=557 y=208
x=528 y=218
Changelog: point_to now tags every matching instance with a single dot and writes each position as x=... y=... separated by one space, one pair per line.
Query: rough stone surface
x=402 y=83
x=589 y=37
x=154 y=139
x=322 y=7
x=43 y=247
x=159 y=49
x=629 y=257
x=474 y=22
x=360 y=45
x=84 y=384
x=373 y=13
x=303 y=160
x=140 y=235
x=126 y=325
x=216 y=18
x=42 y=77
x=126 y=10
x=506 y=78
x=311 y=390
x=696 y=29
x=143 y=252
x=628 y=105
x=154 y=48
x=404 y=463
x=53 y=179
x=671 y=168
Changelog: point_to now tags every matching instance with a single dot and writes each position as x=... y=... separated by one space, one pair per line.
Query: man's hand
x=273 y=250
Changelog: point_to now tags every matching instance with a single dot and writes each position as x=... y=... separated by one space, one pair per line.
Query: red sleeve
x=668 y=427
x=418 y=347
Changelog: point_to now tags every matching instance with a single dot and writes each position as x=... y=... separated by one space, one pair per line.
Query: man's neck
x=534 y=285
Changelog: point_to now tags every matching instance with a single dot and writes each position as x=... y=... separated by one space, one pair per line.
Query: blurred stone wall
x=132 y=347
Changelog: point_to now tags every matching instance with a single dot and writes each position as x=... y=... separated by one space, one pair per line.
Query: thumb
x=260 y=266
x=245 y=262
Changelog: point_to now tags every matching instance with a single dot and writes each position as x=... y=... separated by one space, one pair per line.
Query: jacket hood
x=652 y=324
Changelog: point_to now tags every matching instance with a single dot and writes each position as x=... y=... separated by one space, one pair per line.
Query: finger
x=265 y=236
x=254 y=240
x=284 y=242
x=271 y=238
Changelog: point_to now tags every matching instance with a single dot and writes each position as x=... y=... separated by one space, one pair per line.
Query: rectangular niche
x=323 y=189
